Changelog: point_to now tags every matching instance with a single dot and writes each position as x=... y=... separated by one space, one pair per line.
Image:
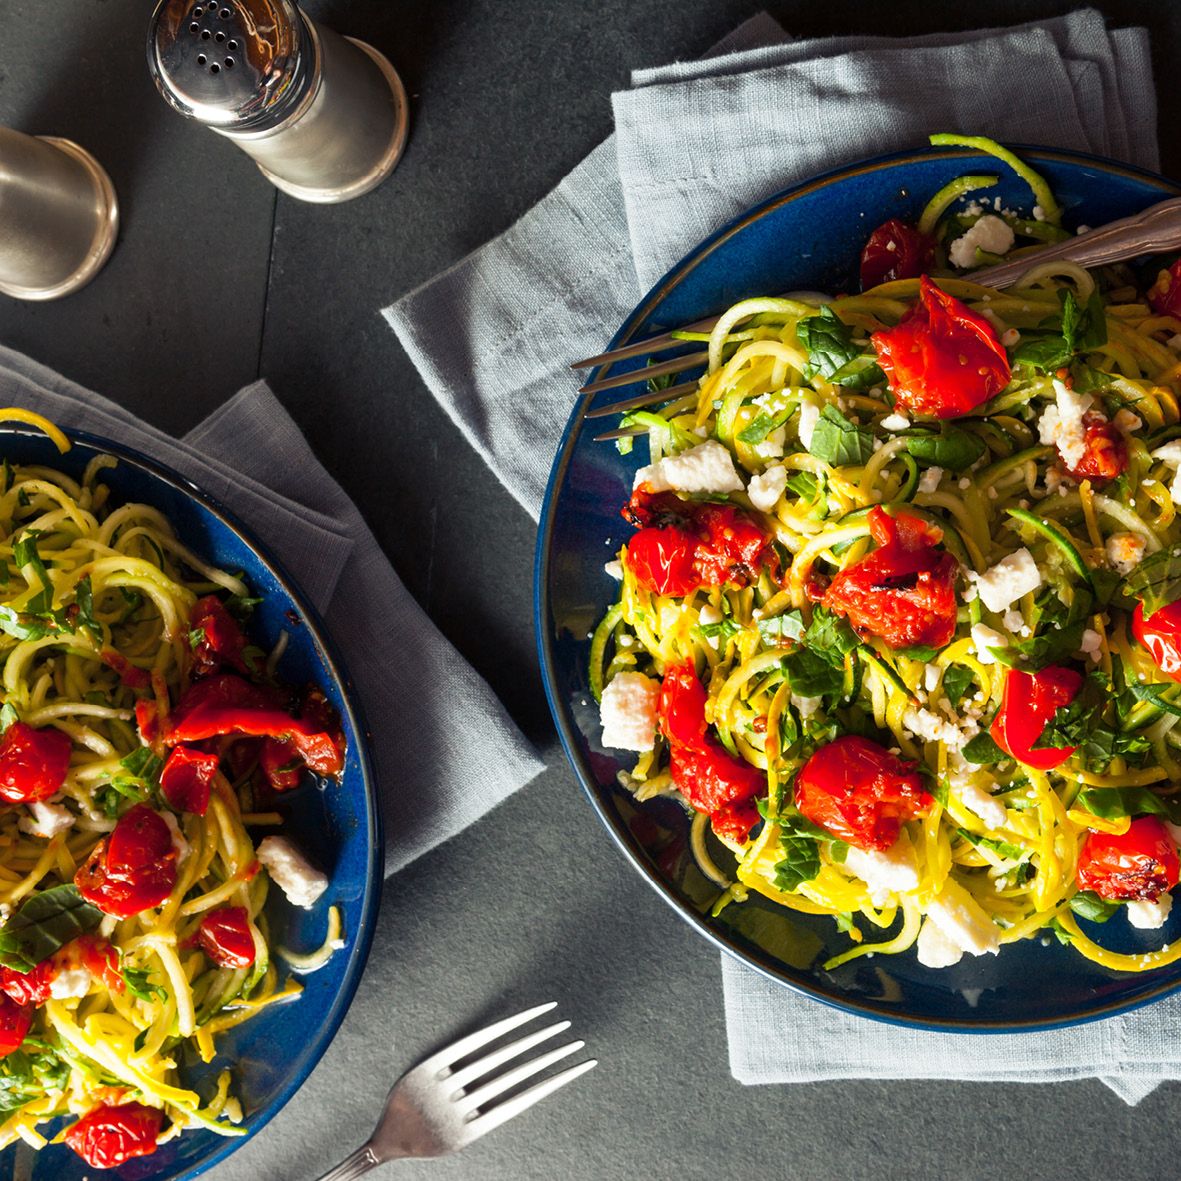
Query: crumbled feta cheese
x=922 y=723
x=1010 y=338
x=615 y=569
x=1148 y=916
x=178 y=841
x=991 y=234
x=628 y=711
x=963 y=920
x=892 y=872
x=985 y=638
x=1170 y=453
x=1091 y=645
x=708 y=614
x=1062 y=424
x=977 y=800
x=1126 y=421
x=1082 y=230
x=1016 y=574
x=809 y=417
x=766 y=489
x=934 y=948
x=965 y=483
x=806 y=707
x=895 y=422
x=71 y=980
x=931 y=675
x=1014 y=621
x=1124 y=551
x=708 y=467
x=929 y=480
x=1039 y=214
x=47 y=820
x=291 y=871
x=772 y=446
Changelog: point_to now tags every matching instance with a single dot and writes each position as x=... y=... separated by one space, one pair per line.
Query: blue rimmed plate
x=338 y=825
x=808 y=237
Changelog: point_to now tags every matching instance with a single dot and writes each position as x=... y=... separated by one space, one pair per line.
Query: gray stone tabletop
x=218 y=280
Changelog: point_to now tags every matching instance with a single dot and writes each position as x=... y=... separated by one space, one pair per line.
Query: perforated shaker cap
x=238 y=65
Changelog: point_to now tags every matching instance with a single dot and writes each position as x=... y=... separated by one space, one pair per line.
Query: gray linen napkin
x=695 y=144
x=445 y=751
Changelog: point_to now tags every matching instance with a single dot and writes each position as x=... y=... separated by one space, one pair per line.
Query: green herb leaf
x=830 y=637
x=724 y=629
x=1156 y=582
x=139 y=985
x=8 y=715
x=957 y=680
x=761 y=427
x=804 y=484
x=828 y=342
x=953 y=448
x=1071 y=723
x=1088 y=905
x=983 y=750
x=84 y=597
x=789 y=626
x=1110 y=803
x=801 y=861
x=44 y=922
x=999 y=847
x=813 y=676
x=838 y=442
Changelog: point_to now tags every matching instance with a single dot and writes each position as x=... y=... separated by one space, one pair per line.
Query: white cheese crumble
x=809 y=417
x=766 y=489
x=991 y=234
x=1170 y=453
x=806 y=707
x=69 y=982
x=922 y=723
x=895 y=422
x=1016 y=574
x=291 y=871
x=891 y=872
x=963 y=920
x=931 y=675
x=1062 y=424
x=1148 y=916
x=1124 y=551
x=934 y=948
x=615 y=569
x=1126 y=421
x=708 y=467
x=1010 y=338
x=708 y=614
x=628 y=711
x=772 y=446
x=47 y=820
x=977 y=800
x=985 y=638
x=1091 y=645
x=929 y=480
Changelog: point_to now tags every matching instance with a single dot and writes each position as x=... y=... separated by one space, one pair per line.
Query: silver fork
x=1155 y=229
x=435 y=1109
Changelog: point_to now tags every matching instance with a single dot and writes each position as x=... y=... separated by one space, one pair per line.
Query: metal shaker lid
x=237 y=65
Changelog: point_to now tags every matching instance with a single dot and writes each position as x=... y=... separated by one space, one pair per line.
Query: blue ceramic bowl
x=338 y=826
x=808 y=237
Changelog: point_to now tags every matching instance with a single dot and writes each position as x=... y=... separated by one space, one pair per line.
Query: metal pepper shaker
x=324 y=117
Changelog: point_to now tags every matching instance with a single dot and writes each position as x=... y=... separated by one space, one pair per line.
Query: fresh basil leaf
x=953 y=449
x=804 y=484
x=44 y=922
x=1163 y=696
x=139 y=985
x=982 y=750
x=1058 y=631
x=1156 y=582
x=860 y=373
x=957 y=680
x=838 y=442
x=999 y=847
x=789 y=626
x=143 y=765
x=1111 y=803
x=761 y=427
x=24 y=626
x=1071 y=724
x=1088 y=905
x=1042 y=351
x=813 y=676
x=923 y=652
x=830 y=637
x=1083 y=328
x=84 y=597
x=723 y=629
x=938 y=788
x=828 y=341
x=801 y=862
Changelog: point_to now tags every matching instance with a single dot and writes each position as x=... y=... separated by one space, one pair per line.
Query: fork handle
x=356 y=1165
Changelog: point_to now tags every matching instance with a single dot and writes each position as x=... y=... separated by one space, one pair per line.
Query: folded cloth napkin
x=445 y=751
x=696 y=143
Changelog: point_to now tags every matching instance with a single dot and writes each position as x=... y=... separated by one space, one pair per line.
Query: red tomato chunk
x=110 y=1135
x=860 y=792
x=1160 y=633
x=133 y=869
x=1028 y=703
x=1141 y=863
x=895 y=250
x=225 y=937
x=33 y=763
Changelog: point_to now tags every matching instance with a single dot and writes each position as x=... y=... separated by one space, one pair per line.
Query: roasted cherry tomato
x=1106 y=454
x=15 y=1020
x=99 y=957
x=708 y=776
x=904 y=591
x=131 y=675
x=110 y=1135
x=1160 y=633
x=895 y=250
x=662 y=560
x=942 y=359
x=29 y=988
x=1141 y=863
x=860 y=792
x=280 y=763
x=225 y=937
x=133 y=869
x=147 y=720
x=218 y=641
x=1029 y=701
x=33 y=763
x=1164 y=296
x=187 y=778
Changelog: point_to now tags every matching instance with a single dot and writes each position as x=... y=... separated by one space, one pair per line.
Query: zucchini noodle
x=95 y=608
x=809 y=449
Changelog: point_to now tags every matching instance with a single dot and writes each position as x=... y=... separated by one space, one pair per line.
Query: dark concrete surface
x=217 y=281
